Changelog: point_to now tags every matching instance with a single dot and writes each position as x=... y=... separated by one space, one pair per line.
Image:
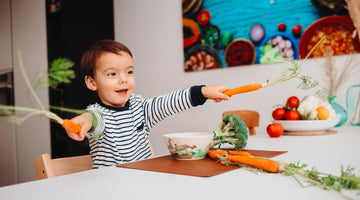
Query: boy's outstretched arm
x=85 y=121
x=215 y=92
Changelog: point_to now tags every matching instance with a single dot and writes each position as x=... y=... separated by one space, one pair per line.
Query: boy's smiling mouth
x=123 y=91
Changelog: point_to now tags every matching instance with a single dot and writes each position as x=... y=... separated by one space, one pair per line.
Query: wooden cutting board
x=201 y=168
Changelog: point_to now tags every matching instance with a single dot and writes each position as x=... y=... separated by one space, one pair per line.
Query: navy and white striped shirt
x=121 y=134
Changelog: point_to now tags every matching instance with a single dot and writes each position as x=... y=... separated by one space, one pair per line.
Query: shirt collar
x=126 y=107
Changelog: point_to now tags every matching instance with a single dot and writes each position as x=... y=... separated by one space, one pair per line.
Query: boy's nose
x=122 y=79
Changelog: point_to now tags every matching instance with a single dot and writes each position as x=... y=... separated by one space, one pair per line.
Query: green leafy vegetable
x=60 y=72
x=231 y=130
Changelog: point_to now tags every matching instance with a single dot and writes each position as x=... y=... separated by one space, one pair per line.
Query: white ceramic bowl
x=307 y=125
x=188 y=145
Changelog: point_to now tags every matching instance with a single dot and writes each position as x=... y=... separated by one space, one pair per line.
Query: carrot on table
x=214 y=153
x=243 y=89
x=69 y=125
x=239 y=153
x=267 y=165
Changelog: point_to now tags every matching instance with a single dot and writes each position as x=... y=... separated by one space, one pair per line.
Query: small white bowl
x=307 y=125
x=188 y=145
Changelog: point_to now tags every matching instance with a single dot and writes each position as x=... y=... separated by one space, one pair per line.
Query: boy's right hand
x=85 y=121
x=215 y=92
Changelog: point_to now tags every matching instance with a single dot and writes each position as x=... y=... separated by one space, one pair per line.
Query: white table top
x=326 y=153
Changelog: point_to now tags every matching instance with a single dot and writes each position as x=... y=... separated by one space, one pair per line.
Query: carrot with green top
x=213 y=154
x=239 y=153
x=267 y=165
x=65 y=123
x=243 y=89
x=293 y=71
x=40 y=110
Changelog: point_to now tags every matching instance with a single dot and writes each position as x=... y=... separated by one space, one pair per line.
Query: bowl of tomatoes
x=307 y=125
x=289 y=111
x=306 y=115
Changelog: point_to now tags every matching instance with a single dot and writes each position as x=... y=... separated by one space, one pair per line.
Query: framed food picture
x=222 y=34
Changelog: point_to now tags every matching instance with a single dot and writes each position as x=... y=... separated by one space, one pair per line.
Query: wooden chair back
x=46 y=167
x=250 y=118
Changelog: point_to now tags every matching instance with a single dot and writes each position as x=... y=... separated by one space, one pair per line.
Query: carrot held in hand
x=243 y=89
x=267 y=165
x=71 y=126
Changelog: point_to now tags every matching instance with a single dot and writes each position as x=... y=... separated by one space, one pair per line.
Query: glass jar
x=339 y=110
x=353 y=104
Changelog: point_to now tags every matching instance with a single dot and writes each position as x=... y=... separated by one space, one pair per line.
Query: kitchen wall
x=153 y=31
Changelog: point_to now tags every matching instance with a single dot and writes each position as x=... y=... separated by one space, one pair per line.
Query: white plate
x=307 y=125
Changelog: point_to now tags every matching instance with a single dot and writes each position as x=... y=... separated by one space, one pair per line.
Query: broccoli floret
x=231 y=130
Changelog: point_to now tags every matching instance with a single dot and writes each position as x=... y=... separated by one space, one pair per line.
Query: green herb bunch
x=60 y=72
x=293 y=71
x=346 y=180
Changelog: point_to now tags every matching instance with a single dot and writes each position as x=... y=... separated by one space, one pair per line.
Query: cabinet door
x=8 y=153
x=5 y=35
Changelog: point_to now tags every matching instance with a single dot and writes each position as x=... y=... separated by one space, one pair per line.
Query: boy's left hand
x=215 y=92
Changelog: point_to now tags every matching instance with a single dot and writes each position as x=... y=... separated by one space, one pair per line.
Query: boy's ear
x=90 y=83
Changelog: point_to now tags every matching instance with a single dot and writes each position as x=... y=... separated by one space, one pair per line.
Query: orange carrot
x=69 y=125
x=239 y=153
x=243 y=89
x=267 y=165
x=214 y=153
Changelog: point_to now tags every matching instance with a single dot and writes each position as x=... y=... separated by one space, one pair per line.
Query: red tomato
x=204 y=17
x=292 y=115
x=279 y=113
x=282 y=27
x=296 y=30
x=292 y=102
x=275 y=130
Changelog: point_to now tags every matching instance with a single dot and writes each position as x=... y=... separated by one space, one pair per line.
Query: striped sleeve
x=158 y=108
x=98 y=126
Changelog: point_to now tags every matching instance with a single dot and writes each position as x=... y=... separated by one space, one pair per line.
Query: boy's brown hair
x=89 y=58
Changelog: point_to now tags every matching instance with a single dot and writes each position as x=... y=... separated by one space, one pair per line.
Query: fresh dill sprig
x=307 y=82
x=347 y=179
x=293 y=71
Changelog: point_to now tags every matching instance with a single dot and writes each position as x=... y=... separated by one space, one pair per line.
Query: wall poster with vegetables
x=221 y=34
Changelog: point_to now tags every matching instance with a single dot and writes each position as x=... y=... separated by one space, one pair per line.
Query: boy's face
x=113 y=79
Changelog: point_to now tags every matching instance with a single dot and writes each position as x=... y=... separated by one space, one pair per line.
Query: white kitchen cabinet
x=22 y=27
x=5 y=35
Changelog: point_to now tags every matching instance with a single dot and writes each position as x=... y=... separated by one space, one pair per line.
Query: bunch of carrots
x=243 y=157
x=347 y=179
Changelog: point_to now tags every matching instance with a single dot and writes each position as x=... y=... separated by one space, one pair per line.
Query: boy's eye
x=130 y=72
x=111 y=74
